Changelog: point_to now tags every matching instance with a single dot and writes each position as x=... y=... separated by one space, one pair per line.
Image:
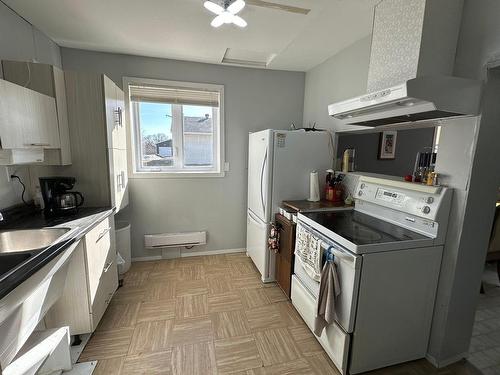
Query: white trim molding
x=219 y=133
x=191 y=254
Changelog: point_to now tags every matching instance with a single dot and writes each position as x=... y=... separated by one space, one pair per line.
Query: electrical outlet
x=226 y=166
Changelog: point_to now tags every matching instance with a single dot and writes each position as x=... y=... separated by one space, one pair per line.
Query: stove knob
x=363 y=186
x=360 y=193
x=426 y=209
x=429 y=200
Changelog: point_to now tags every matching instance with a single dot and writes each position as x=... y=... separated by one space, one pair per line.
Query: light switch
x=226 y=166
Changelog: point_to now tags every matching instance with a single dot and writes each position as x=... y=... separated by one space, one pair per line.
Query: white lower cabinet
x=333 y=339
x=92 y=280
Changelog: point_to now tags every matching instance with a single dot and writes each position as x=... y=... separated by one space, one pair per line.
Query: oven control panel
x=411 y=199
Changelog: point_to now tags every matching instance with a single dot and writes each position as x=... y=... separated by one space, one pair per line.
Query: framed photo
x=387 y=147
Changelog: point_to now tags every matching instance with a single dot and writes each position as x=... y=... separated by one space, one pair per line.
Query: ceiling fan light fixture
x=240 y=22
x=212 y=7
x=226 y=14
x=236 y=7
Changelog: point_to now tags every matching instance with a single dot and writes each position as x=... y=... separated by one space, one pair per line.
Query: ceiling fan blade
x=214 y=8
x=236 y=7
x=217 y=21
x=238 y=21
x=276 y=6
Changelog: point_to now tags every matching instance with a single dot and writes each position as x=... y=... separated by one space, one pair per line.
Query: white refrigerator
x=279 y=166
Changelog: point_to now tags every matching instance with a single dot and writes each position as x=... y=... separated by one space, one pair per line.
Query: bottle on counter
x=348 y=160
x=330 y=176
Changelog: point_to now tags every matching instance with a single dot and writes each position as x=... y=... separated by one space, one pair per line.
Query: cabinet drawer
x=108 y=284
x=333 y=339
x=98 y=244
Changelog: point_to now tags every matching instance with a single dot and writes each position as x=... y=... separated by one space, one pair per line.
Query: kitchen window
x=177 y=128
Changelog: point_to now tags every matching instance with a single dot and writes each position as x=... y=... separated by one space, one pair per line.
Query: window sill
x=176 y=175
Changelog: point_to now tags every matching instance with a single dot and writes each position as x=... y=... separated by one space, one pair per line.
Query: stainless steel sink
x=16 y=241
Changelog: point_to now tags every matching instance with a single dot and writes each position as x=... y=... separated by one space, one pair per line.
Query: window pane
x=198 y=135
x=156 y=134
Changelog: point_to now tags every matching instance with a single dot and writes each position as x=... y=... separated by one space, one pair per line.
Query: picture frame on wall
x=387 y=145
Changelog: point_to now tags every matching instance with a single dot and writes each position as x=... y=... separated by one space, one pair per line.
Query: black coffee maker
x=59 y=201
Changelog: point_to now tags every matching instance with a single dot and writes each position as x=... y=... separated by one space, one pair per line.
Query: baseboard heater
x=184 y=239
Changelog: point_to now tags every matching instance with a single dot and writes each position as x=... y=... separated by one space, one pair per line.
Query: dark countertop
x=307 y=206
x=31 y=218
x=17 y=218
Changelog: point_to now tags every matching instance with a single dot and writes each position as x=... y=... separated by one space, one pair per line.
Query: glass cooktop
x=362 y=229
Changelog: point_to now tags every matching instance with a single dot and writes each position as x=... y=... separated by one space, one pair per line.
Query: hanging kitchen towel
x=273 y=242
x=309 y=252
x=329 y=290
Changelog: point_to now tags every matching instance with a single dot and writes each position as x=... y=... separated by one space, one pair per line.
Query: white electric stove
x=388 y=254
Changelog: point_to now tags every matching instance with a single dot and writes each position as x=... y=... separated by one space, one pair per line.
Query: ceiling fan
x=226 y=13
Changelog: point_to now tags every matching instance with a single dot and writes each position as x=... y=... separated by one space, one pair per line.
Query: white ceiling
x=180 y=29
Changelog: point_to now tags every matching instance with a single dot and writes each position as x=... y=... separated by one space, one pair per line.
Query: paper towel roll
x=313 y=187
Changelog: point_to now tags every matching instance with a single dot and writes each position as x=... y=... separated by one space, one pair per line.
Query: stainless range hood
x=418 y=99
x=412 y=59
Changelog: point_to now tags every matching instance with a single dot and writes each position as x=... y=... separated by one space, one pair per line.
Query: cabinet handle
x=119 y=117
x=106 y=268
x=102 y=234
x=37 y=144
x=120 y=180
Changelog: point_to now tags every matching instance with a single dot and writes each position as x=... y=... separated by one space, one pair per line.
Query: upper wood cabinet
x=27 y=118
x=46 y=127
x=115 y=116
x=98 y=139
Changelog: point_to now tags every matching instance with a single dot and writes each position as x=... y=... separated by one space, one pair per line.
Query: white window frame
x=134 y=142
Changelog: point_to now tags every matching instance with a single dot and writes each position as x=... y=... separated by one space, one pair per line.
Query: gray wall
x=20 y=41
x=408 y=143
x=342 y=76
x=254 y=100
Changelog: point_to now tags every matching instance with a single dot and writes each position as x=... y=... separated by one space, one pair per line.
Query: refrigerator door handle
x=261 y=181
x=253 y=218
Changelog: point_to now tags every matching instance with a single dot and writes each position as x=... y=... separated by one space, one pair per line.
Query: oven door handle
x=338 y=253
x=326 y=243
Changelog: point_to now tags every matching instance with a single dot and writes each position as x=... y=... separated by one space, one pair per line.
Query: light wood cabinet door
x=115 y=116
x=73 y=308
x=48 y=80
x=108 y=283
x=98 y=244
x=111 y=107
x=120 y=135
x=91 y=282
x=118 y=178
x=28 y=119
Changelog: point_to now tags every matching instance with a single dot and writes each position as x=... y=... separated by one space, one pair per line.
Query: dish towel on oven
x=309 y=252
x=329 y=290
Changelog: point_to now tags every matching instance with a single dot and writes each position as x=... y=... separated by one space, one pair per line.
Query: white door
x=257 y=233
x=258 y=173
x=295 y=156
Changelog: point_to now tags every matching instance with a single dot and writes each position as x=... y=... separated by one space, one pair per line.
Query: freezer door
x=257 y=233
x=295 y=156
x=259 y=154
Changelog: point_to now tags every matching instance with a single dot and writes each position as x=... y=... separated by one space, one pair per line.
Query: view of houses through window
x=158 y=129
x=173 y=132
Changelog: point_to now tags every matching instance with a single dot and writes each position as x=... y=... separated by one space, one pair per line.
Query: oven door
x=349 y=271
